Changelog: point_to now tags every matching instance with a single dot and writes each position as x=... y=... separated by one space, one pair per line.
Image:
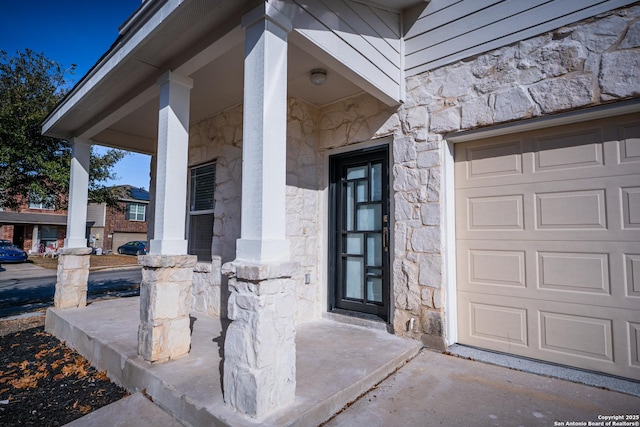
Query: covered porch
x=335 y=364
x=248 y=87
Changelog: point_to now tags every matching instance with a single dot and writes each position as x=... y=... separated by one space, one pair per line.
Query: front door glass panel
x=360 y=229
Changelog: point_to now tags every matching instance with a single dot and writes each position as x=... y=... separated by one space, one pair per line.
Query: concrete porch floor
x=336 y=363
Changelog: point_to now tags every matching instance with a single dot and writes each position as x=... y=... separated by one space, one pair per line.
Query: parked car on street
x=11 y=253
x=135 y=247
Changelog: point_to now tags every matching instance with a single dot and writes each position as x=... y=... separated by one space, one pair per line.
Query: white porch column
x=171 y=166
x=78 y=195
x=35 y=239
x=167 y=272
x=259 y=349
x=74 y=259
x=264 y=151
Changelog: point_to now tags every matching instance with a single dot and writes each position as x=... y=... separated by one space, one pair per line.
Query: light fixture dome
x=318 y=76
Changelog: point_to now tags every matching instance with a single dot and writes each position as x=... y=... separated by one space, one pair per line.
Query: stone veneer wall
x=585 y=64
x=219 y=139
x=206 y=293
x=304 y=206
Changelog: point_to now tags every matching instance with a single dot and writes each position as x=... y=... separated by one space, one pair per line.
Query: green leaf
x=31 y=86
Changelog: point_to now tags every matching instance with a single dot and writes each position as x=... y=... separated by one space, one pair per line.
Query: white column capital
x=170 y=76
x=267 y=12
x=80 y=141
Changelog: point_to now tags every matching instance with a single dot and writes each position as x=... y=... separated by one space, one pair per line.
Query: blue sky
x=72 y=32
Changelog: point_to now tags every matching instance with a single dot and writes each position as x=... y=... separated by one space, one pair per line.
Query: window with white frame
x=202 y=184
x=49 y=237
x=136 y=212
x=43 y=203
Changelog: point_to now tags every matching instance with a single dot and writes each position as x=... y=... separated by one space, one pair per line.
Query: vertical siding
x=451 y=30
x=364 y=38
x=96 y=213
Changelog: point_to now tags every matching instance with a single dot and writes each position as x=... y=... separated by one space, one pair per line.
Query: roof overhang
x=9 y=218
x=116 y=103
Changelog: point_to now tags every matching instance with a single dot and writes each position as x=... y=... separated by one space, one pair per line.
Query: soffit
x=393 y=4
x=202 y=29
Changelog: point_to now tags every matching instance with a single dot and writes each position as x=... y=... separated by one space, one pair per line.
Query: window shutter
x=201 y=204
x=203 y=184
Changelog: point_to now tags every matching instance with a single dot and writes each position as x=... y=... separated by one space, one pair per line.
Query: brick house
x=111 y=228
x=34 y=226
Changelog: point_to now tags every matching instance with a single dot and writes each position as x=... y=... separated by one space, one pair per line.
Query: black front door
x=18 y=236
x=359 y=222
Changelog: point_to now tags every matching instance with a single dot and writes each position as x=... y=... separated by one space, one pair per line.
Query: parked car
x=135 y=247
x=11 y=253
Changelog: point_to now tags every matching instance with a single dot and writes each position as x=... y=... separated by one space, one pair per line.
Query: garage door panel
x=630 y=201
x=634 y=344
x=600 y=209
x=551 y=177
x=552 y=271
x=574 y=272
x=495 y=212
x=632 y=275
x=583 y=148
x=490 y=267
x=629 y=144
x=589 y=337
x=552 y=156
x=578 y=335
x=496 y=324
x=577 y=209
x=491 y=161
x=507 y=325
x=548 y=244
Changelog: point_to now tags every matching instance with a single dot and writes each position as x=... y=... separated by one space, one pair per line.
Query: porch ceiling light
x=318 y=76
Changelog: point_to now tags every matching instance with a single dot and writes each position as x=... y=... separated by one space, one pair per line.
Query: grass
x=97 y=261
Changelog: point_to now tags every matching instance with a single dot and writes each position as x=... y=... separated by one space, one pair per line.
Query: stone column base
x=73 y=273
x=259 y=347
x=206 y=291
x=165 y=301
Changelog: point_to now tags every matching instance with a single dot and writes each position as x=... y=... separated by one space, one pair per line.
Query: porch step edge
x=357 y=321
x=327 y=409
x=131 y=373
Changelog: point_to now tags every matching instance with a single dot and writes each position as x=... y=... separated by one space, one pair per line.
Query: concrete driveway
x=24 y=270
x=436 y=389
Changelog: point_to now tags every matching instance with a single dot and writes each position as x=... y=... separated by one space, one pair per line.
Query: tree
x=33 y=165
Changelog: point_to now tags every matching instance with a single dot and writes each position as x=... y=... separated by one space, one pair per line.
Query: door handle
x=385 y=238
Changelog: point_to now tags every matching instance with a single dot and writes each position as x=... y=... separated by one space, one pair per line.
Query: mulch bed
x=44 y=383
x=96 y=261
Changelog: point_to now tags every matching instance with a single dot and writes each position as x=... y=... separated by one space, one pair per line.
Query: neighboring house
x=114 y=227
x=463 y=171
x=36 y=225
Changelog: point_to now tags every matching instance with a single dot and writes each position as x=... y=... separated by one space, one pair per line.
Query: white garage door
x=548 y=244
x=120 y=238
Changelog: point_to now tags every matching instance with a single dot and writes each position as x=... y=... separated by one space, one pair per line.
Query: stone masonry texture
x=259 y=347
x=589 y=63
x=165 y=302
x=73 y=274
x=585 y=64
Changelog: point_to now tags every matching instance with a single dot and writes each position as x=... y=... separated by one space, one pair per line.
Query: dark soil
x=44 y=383
x=97 y=262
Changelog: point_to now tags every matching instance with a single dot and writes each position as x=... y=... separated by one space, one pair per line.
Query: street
x=23 y=290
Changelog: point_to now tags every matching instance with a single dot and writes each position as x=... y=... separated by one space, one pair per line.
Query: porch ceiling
x=116 y=103
x=217 y=86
